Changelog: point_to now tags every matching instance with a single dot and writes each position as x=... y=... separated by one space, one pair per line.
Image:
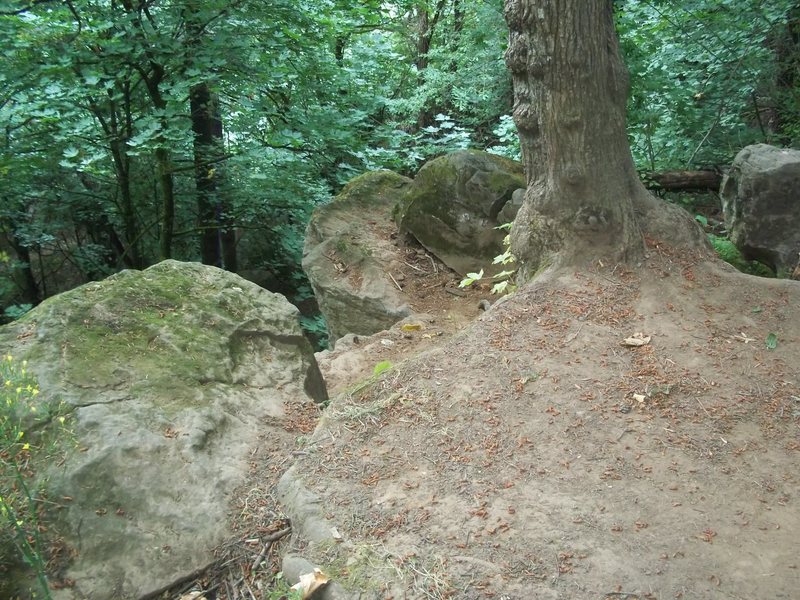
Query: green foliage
x=506 y=133
x=280 y=589
x=15 y=311
x=728 y=252
x=382 y=366
x=317 y=329
x=504 y=279
x=27 y=428
x=96 y=115
x=771 y=342
x=707 y=78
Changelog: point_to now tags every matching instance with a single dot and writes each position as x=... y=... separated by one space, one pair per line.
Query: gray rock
x=510 y=210
x=170 y=375
x=348 y=256
x=762 y=207
x=304 y=508
x=455 y=203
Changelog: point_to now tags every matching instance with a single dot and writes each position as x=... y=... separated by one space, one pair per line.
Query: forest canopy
x=137 y=130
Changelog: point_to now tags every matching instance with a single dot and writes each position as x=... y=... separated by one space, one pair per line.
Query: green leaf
x=702 y=220
x=772 y=341
x=382 y=366
x=471 y=278
x=504 y=274
x=501 y=287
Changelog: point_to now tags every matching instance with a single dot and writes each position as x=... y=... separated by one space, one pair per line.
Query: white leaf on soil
x=637 y=339
x=310 y=583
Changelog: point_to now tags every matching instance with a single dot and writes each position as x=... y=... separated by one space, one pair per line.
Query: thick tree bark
x=570 y=92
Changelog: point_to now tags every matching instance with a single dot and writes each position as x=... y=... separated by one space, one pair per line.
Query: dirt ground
x=531 y=453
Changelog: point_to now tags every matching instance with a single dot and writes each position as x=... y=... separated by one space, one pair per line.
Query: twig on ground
x=274 y=537
x=196 y=574
x=415 y=268
x=433 y=262
x=264 y=551
x=395 y=282
x=703 y=407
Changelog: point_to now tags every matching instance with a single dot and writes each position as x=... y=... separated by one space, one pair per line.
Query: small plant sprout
x=503 y=280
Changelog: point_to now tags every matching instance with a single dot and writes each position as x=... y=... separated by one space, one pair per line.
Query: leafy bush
x=316 y=328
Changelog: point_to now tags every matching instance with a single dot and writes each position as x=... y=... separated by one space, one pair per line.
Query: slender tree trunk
x=424 y=117
x=570 y=92
x=207 y=128
x=133 y=253
x=166 y=187
x=217 y=234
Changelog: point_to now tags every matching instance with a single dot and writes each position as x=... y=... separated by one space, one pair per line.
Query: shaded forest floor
x=535 y=455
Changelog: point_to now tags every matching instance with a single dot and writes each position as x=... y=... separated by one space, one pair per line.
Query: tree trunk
x=207 y=128
x=166 y=187
x=570 y=92
x=217 y=234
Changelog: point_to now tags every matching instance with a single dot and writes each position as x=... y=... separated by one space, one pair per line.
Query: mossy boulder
x=455 y=203
x=349 y=254
x=170 y=375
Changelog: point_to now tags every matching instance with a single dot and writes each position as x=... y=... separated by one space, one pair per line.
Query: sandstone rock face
x=170 y=375
x=762 y=207
x=455 y=203
x=349 y=252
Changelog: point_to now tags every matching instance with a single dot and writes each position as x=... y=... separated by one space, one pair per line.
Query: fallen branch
x=683 y=181
x=196 y=574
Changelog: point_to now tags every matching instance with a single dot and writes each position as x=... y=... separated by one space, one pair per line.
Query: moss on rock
x=453 y=205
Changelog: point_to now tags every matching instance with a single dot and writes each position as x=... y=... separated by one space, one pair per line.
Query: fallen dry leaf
x=637 y=339
x=310 y=583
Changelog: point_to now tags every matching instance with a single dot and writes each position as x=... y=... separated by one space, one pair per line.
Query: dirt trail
x=533 y=455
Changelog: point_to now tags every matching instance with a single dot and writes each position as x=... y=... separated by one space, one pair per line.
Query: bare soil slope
x=533 y=455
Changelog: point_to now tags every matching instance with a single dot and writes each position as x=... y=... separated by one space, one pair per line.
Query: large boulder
x=170 y=375
x=762 y=207
x=455 y=203
x=349 y=255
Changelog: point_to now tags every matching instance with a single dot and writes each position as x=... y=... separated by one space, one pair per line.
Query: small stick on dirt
x=196 y=574
x=274 y=537
x=704 y=408
x=395 y=282
x=624 y=431
x=435 y=270
x=415 y=268
x=571 y=337
x=455 y=292
x=622 y=594
x=264 y=551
